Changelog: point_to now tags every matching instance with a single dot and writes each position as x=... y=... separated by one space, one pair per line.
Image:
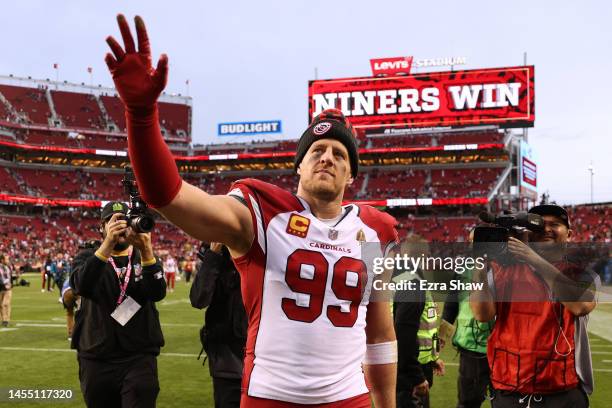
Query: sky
x=251 y=60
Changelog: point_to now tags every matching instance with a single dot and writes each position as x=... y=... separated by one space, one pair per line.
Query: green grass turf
x=183 y=380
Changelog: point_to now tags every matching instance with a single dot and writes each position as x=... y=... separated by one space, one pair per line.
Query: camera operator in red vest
x=538 y=352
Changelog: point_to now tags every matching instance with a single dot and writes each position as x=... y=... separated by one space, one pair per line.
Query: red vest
x=521 y=349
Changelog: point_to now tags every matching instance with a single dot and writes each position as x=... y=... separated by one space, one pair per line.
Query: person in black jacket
x=217 y=286
x=415 y=367
x=117 y=332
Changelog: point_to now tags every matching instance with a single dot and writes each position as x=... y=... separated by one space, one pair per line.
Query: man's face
x=325 y=170
x=555 y=231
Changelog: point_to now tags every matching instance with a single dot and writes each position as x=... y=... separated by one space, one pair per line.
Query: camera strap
x=126 y=279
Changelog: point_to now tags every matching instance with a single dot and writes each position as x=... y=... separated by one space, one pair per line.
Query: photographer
x=538 y=350
x=117 y=331
x=217 y=286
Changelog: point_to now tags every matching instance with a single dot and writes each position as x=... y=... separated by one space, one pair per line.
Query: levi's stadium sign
x=391 y=66
x=492 y=96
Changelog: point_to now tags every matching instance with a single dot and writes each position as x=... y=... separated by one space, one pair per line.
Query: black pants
x=575 y=398
x=405 y=399
x=227 y=392
x=131 y=384
x=473 y=379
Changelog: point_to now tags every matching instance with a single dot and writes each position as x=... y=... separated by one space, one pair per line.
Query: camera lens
x=143 y=223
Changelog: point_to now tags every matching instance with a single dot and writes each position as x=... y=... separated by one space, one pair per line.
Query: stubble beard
x=322 y=191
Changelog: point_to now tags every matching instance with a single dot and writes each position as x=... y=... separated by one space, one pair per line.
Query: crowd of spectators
x=30 y=239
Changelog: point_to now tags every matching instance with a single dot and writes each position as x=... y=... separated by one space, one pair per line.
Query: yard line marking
x=34 y=321
x=64 y=325
x=599 y=323
x=181 y=324
x=7 y=329
x=172 y=302
x=56 y=350
x=178 y=355
x=601 y=352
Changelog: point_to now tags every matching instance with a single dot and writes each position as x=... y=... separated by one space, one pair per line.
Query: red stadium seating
x=78 y=109
x=441 y=229
x=400 y=141
x=405 y=184
x=471 y=137
x=463 y=183
x=7 y=183
x=114 y=108
x=105 y=142
x=44 y=138
x=467 y=137
x=5 y=114
x=174 y=117
x=30 y=101
x=82 y=110
x=591 y=223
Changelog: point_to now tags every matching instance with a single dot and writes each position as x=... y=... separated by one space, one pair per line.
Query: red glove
x=139 y=86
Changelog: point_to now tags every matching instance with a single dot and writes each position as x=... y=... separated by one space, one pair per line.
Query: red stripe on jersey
x=381 y=222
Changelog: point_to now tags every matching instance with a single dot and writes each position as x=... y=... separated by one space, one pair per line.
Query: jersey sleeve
x=264 y=202
x=384 y=225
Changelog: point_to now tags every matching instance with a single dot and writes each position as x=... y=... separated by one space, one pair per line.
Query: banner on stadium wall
x=493 y=96
x=528 y=169
x=249 y=128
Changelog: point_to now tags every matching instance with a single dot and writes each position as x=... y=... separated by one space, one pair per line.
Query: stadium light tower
x=592 y=172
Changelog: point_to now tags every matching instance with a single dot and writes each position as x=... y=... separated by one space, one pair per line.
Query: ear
x=570 y=233
x=299 y=169
x=349 y=181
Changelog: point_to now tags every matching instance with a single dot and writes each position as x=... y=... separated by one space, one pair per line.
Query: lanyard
x=127 y=275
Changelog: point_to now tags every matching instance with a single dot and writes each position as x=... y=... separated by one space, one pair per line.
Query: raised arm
x=203 y=216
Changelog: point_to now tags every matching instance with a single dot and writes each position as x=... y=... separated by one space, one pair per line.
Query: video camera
x=492 y=240
x=138 y=215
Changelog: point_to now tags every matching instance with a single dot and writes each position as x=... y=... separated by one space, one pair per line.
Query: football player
x=314 y=336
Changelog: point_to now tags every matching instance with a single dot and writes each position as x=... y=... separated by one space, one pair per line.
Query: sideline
x=599 y=323
x=57 y=350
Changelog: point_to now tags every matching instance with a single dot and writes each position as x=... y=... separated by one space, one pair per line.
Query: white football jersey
x=306 y=289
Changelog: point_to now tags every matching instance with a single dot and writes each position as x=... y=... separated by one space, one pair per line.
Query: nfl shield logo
x=333 y=234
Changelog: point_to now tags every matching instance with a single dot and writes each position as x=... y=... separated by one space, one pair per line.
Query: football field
x=35 y=353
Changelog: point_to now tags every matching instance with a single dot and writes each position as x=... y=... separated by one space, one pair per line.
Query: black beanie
x=329 y=124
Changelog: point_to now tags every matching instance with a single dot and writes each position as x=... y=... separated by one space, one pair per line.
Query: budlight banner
x=249 y=128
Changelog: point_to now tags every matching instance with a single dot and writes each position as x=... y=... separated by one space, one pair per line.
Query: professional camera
x=492 y=239
x=138 y=215
x=90 y=244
